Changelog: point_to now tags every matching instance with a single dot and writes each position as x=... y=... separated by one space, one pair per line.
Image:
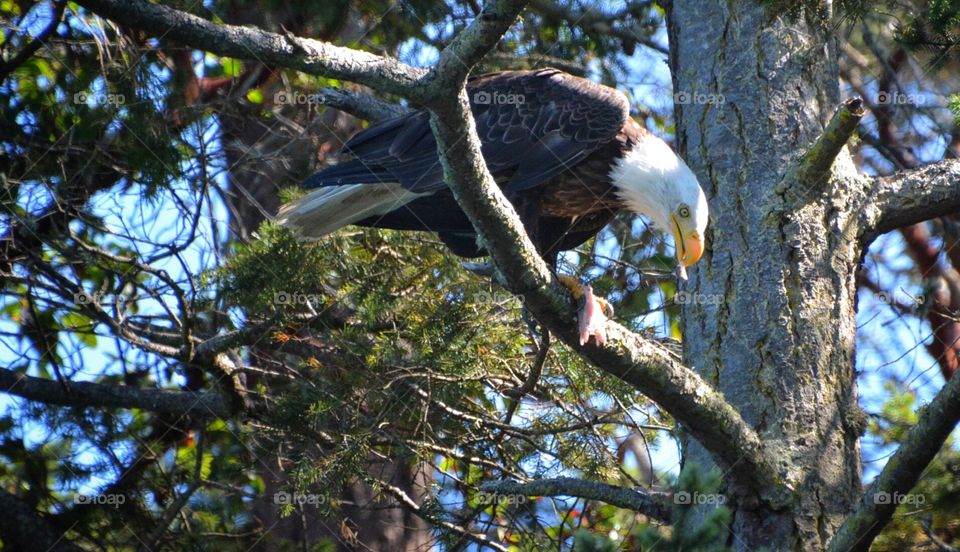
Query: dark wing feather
x=560 y=121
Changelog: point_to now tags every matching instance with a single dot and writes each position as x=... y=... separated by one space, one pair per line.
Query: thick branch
x=22 y=528
x=303 y=54
x=359 y=104
x=179 y=403
x=654 y=504
x=902 y=471
x=813 y=169
x=469 y=46
x=912 y=196
x=638 y=361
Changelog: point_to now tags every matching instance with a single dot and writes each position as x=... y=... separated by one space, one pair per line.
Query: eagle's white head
x=653 y=181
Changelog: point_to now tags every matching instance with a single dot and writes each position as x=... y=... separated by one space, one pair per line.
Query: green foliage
x=935 y=30
x=422 y=332
x=934 y=504
x=275 y=273
x=700 y=522
x=953 y=103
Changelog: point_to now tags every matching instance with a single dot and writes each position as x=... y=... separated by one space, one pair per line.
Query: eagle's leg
x=593 y=312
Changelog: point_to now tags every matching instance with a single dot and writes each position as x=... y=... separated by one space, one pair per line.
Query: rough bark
x=779 y=345
x=910 y=196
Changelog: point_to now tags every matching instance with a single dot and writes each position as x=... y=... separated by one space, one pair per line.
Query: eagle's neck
x=650 y=178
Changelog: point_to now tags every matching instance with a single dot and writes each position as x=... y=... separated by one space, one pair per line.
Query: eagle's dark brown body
x=549 y=139
x=586 y=187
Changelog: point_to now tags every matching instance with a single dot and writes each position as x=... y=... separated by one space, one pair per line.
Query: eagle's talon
x=591 y=320
x=593 y=312
x=605 y=306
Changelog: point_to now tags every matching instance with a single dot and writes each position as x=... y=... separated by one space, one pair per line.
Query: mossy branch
x=812 y=171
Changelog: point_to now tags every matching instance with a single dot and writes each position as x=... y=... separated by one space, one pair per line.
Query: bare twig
x=409 y=504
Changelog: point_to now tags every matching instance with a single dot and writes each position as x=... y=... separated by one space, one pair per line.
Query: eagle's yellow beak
x=688 y=241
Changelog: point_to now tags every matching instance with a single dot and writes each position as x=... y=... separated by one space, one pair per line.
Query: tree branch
x=359 y=104
x=471 y=45
x=179 y=403
x=408 y=503
x=942 y=291
x=812 y=170
x=911 y=196
x=902 y=471
x=655 y=504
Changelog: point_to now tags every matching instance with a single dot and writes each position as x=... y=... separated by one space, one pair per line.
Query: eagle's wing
x=532 y=125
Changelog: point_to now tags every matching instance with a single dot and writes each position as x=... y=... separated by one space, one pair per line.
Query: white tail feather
x=329 y=208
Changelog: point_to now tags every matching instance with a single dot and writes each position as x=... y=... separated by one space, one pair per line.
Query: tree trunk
x=775 y=331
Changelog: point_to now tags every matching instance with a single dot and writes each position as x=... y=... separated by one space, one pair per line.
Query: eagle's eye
x=683 y=211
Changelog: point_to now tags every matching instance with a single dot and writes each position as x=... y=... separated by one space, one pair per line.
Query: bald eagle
x=564 y=151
